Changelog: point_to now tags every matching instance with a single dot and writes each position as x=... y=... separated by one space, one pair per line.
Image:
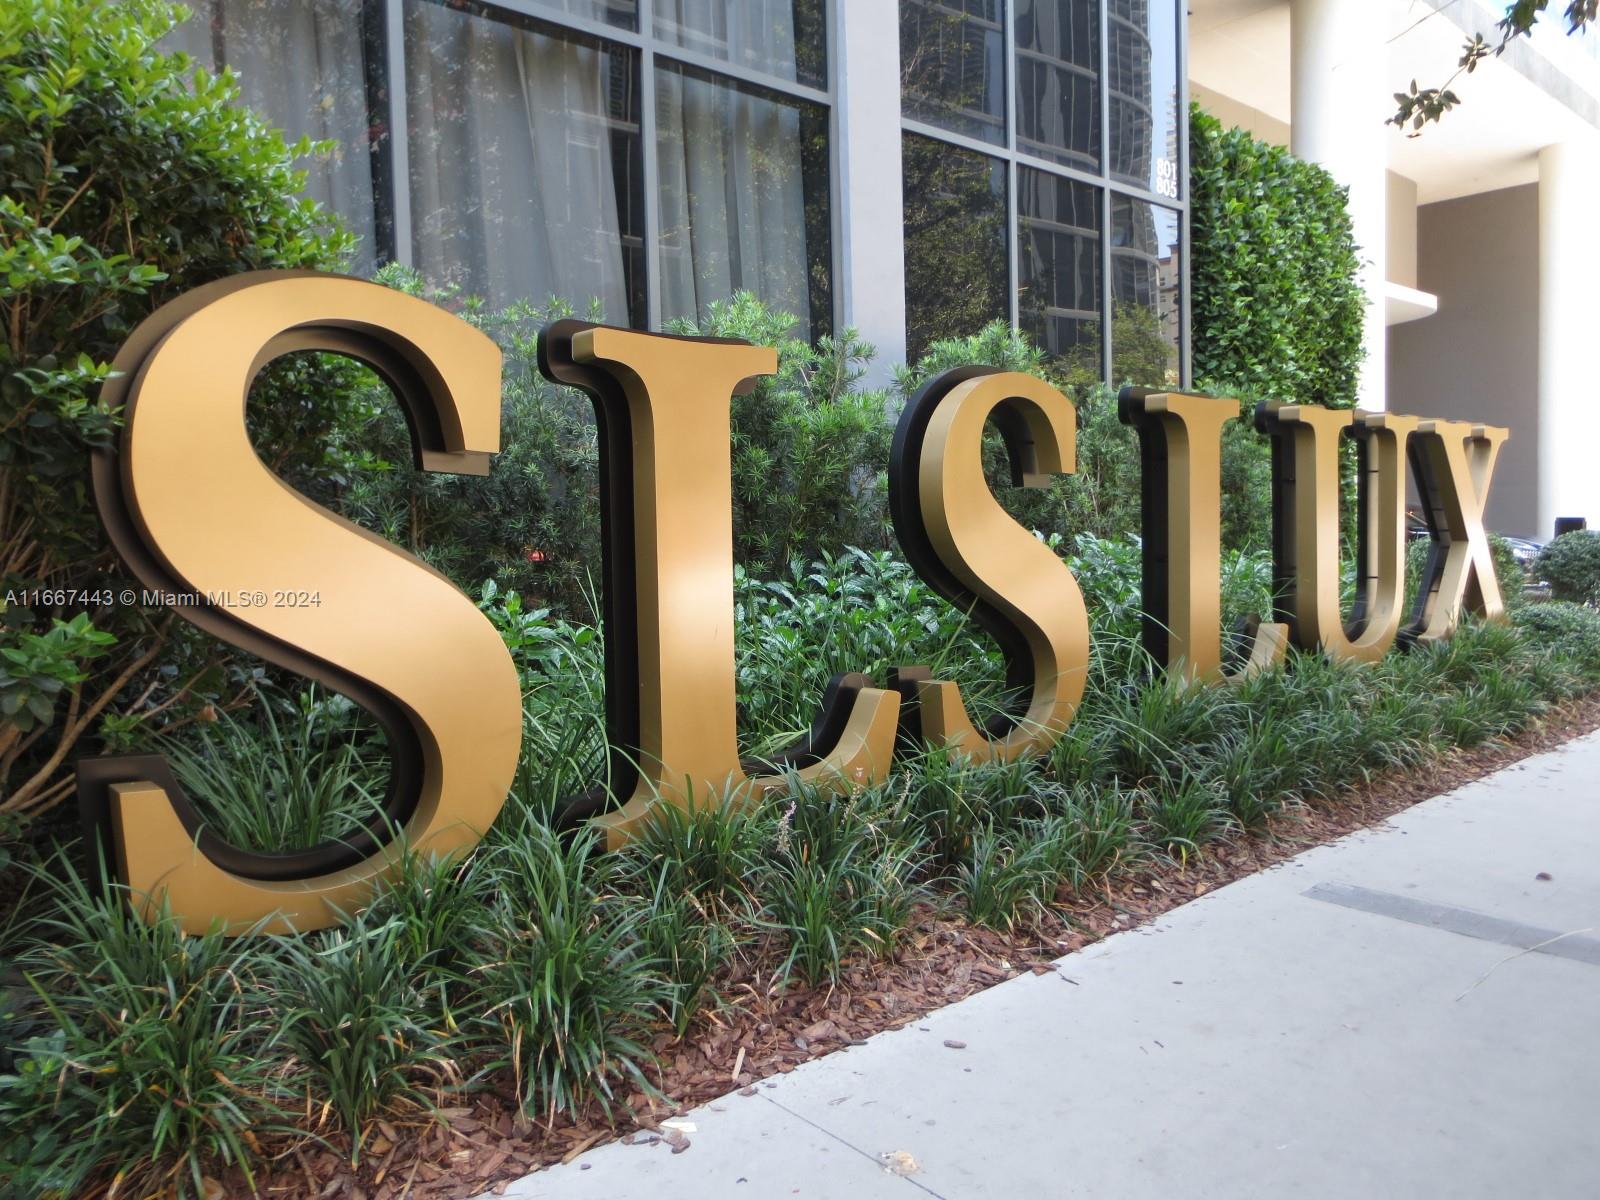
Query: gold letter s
x=191 y=508
x=973 y=553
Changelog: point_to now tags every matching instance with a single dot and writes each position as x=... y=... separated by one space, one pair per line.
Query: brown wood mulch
x=482 y=1145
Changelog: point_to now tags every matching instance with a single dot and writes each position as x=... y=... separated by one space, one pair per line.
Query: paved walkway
x=1413 y=1011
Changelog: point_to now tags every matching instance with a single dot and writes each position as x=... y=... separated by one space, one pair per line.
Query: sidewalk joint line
x=874 y=1159
x=1530 y=939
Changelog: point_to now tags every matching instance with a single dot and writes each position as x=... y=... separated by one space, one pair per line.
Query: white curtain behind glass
x=757 y=34
x=513 y=195
x=301 y=65
x=732 y=199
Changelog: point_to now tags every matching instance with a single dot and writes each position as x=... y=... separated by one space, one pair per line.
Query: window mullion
x=394 y=36
x=1106 y=303
x=787 y=89
x=565 y=22
x=1185 y=355
x=1013 y=228
x=650 y=159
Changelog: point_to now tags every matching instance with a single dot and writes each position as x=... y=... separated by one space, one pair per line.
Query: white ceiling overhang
x=1240 y=48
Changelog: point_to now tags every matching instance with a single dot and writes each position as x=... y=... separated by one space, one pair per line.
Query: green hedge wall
x=1277 y=308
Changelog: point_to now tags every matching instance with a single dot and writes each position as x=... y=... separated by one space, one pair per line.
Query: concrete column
x=1569 y=349
x=1338 y=103
x=871 y=274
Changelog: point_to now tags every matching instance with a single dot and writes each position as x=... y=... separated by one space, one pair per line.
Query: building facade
x=916 y=168
x=913 y=170
x=1479 y=232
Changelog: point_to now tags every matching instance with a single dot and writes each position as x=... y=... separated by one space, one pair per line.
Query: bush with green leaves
x=681 y=932
x=548 y=970
x=1569 y=633
x=565 y=992
x=162 y=1060
x=291 y=773
x=810 y=444
x=835 y=881
x=1101 y=497
x=533 y=524
x=1275 y=299
x=1571 y=566
x=129 y=179
x=1508 y=572
x=355 y=1022
x=808 y=456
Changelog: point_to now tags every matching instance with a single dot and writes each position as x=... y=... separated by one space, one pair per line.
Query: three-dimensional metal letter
x=192 y=509
x=1454 y=463
x=1180 y=453
x=1305 y=492
x=664 y=408
x=977 y=556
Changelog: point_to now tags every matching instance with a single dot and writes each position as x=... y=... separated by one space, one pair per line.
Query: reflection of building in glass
x=1130 y=90
x=1135 y=254
x=1146 y=272
x=1059 y=264
x=1058 y=74
x=952 y=70
x=650 y=160
x=560 y=149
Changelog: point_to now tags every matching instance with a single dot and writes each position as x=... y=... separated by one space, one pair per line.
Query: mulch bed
x=482 y=1146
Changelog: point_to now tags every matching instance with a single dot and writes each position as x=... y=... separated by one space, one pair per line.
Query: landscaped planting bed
x=491 y=1015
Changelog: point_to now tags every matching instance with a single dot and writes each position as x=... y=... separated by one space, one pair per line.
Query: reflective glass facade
x=649 y=158
x=642 y=157
x=1085 y=138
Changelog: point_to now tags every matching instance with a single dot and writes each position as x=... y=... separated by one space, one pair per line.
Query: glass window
x=1058 y=81
x=743 y=185
x=952 y=66
x=1146 y=276
x=303 y=65
x=624 y=14
x=1143 y=94
x=1058 y=264
x=782 y=38
x=956 y=249
x=525 y=162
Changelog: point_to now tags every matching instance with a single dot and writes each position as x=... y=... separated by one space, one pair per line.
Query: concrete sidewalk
x=1409 y=1012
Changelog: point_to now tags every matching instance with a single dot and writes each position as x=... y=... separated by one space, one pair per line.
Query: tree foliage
x=1417 y=107
x=128 y=178
x=1276 y=306
x=1571 y=566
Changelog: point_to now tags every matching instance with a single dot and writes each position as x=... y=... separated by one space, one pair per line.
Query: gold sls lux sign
x=193 y=511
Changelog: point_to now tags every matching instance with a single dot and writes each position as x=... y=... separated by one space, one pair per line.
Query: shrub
x=292 y=774
x=533 y=524
x=352 y=1019
x=1182 y=818
x=1102 y=497
x=850 y=612
x=1568 y=637
x=707 y=852
x=1276 y=304
x=126 y=184
x=1002 y=874
x=1097 y=833
x=810 y=446
x=161 y=1057
x=835 y=881
x=1571 y=566
x=564 y=996
x=688 y=944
